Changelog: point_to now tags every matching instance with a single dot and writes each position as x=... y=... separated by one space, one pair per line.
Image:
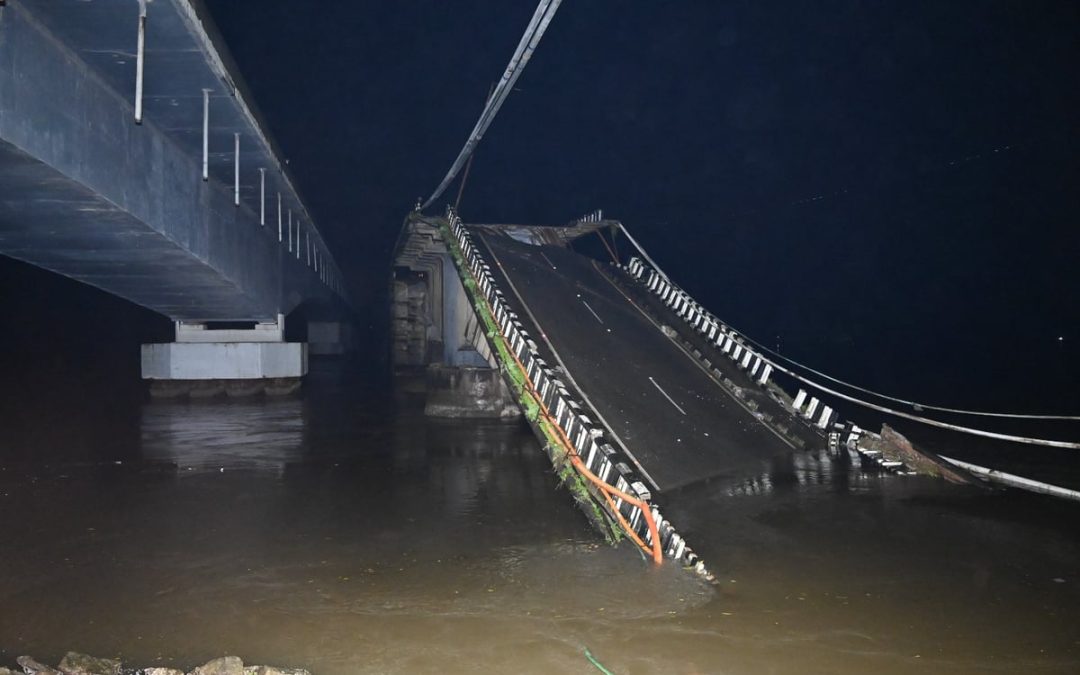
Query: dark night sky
x=941 y=139
x=889 y=190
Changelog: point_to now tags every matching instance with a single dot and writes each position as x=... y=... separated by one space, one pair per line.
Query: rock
x=75 y=663
x=32 y=667
x=226 y=665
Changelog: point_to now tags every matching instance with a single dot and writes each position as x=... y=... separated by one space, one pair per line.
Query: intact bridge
x=132 y=159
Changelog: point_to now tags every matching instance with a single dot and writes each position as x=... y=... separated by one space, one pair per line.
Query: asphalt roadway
x=664 y=408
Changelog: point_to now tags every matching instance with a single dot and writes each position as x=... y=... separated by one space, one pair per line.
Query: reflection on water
x=344 y=532
x=263 y=434
x=811 y=471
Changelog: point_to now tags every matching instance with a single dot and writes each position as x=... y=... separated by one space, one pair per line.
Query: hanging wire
x=873 y=406
x=545 y=11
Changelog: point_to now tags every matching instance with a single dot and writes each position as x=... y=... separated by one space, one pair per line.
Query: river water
x=342 y=531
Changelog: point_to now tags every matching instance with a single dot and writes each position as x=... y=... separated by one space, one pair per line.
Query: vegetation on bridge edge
x=578 y=486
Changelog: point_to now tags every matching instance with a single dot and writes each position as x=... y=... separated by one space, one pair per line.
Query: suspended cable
x=914 y=404
x=873 y=406
x=545 y=11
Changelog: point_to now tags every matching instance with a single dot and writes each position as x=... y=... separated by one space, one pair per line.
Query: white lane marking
x=548 y=260
x=670 y=400
x=593 y=312
x=565 y=372
x=697 y=363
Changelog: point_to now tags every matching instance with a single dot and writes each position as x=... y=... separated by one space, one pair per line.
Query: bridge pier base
x=437 y=333
x=205 y=361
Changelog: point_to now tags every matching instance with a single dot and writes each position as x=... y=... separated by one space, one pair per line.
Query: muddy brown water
x=343 y=532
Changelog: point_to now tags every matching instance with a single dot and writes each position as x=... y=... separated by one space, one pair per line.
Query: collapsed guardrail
x=693 y=313
x=812 y=410
x=888 y=450
x=598 y=469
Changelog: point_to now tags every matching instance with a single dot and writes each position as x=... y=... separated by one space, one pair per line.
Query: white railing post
x=206 y=134
x=262 y=197
x=236 y=169
x=140 y=58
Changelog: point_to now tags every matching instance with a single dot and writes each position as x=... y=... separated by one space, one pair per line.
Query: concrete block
x=224 y=360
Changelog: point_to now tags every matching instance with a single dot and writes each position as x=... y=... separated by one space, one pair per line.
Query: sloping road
x=666 y=410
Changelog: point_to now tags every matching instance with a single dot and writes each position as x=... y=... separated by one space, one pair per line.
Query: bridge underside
x=668 y=412
x=182 y=208
x=51 y=221
x=131 y=160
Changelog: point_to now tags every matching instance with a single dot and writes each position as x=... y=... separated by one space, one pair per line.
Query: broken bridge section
x=611 y=493
x=635 y=388
x=666 y=410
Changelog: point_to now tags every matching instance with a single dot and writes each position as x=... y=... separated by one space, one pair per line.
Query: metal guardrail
x=810 y=409
x=302 y=241
x=626 y=498
x=807 y=406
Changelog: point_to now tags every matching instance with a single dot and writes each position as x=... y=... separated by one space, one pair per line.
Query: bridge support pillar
x=206 y=361
x=440 y=344
x=329 y=338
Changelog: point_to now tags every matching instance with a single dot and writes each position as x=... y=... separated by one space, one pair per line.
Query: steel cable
x=867 y=404
x=543 y=15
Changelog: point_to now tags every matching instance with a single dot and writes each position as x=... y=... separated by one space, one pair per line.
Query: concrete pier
x=437 y=334
x=204 y=361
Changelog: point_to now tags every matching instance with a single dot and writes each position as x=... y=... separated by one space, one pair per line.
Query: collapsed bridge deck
x=627 y=369
x=635 y=389
x=666 y=410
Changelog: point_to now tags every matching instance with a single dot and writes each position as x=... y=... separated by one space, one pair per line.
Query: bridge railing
x=821 y=416
x=196 y=88
x=626 y=498
x=809 y=408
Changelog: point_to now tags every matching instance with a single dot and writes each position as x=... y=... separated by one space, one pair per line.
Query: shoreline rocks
x=75 y=663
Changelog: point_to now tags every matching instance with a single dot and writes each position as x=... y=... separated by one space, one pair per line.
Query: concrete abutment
x=205 y=361
x=439 y=344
